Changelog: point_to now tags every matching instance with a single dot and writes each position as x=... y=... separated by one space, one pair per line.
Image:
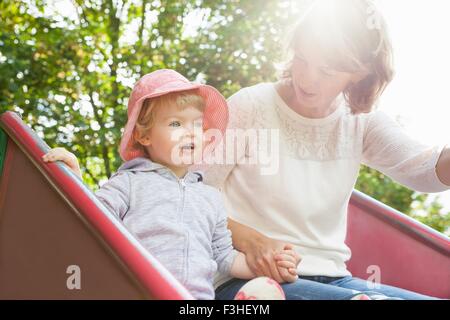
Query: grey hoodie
x=182 y=222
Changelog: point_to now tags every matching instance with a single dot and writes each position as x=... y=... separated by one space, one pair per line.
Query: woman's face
x=316 y=84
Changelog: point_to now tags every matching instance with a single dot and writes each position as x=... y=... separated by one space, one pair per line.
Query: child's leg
x=300 y=290
x=261 y=288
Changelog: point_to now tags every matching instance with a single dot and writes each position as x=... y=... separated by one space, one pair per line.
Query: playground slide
x=57 y=241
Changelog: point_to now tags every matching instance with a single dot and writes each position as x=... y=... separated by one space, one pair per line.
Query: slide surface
x=57 y=241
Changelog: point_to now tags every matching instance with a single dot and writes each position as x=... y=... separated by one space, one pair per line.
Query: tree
x=70 y=76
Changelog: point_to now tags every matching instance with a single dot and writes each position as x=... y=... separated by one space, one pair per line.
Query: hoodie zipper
x=182 y=184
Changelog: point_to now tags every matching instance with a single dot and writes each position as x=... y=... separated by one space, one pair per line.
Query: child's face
x=175 y=140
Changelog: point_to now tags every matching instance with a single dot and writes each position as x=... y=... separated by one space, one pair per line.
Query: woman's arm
x=241 y=235
x=443 y=166
x=390 y=150
x=260 y=251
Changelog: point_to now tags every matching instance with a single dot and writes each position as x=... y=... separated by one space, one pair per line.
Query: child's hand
x=287 y=261
x=61 y=154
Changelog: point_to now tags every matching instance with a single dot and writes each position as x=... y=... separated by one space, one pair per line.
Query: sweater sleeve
x=115 y=194
x=240 y=109
x=223 y=251
x=388 y=149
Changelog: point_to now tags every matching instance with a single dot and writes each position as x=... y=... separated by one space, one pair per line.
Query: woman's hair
x=352 y=37
x=182 y=100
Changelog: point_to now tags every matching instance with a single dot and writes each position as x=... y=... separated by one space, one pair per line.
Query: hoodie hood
x=141 y=164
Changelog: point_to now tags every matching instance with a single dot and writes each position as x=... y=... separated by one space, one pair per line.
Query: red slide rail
x=151 y=275
x=407 y=253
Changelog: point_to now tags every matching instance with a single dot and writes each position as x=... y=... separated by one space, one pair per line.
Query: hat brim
x=215 y=115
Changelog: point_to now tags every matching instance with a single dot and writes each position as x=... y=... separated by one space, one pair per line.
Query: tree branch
x=104 y=146
x=141 y=34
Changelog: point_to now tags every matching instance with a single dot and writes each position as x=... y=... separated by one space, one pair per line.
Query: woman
x=323 y=107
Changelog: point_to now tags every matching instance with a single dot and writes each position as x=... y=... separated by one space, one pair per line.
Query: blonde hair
x=352 y=36
x=150 y=107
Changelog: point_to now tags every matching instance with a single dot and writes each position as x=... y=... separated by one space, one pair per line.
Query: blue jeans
x=327 y=288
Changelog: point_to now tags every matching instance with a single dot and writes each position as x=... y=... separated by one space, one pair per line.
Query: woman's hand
x=272 y=258
x=61 y=154
x=443 y=166
x=260 y=252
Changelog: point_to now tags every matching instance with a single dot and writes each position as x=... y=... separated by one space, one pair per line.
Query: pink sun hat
x=161 y=82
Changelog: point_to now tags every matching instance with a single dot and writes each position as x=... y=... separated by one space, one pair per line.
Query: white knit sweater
x=305 y=201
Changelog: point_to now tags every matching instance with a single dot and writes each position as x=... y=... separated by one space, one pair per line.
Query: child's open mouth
x=188 y=147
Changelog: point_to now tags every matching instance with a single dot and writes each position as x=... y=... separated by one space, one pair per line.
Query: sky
x=419 y=93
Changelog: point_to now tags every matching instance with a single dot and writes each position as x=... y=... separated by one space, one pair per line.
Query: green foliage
x=3 y=142
x=414 y=204
x=432 y=215
x=70 y=77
